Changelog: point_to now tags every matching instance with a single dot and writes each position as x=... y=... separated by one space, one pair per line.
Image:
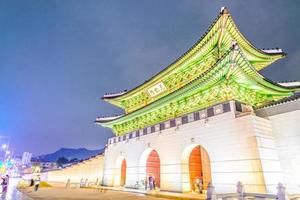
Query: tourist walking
x=31 y=182
x=37 y=183
x=4 y=183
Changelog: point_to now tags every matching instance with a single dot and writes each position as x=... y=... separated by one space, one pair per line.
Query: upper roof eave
x=294 y=88
x=116 y=99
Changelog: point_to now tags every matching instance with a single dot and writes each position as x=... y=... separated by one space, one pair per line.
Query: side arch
x=120 y=172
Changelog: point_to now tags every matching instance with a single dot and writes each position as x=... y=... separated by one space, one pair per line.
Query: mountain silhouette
x=69 y=153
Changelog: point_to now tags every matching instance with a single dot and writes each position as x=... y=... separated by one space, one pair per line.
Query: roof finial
x=224 y=10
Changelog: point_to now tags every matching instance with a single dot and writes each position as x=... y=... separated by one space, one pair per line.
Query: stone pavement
x=162 y=194
x=60 y=193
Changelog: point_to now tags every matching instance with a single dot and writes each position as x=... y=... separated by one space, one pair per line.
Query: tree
x=61 y=161
x=73 y=160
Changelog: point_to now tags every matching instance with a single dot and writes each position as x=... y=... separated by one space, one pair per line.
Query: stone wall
x=286 y=127
x=237 y=146
x=91 y=169
x=285 y=123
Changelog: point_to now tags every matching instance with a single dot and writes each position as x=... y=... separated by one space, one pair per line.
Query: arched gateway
x=153 y=167
x=123 y=173
x=149 y=166
x=120 y=172
x=196 y=164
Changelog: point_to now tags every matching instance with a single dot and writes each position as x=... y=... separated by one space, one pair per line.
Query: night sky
x=58 y=57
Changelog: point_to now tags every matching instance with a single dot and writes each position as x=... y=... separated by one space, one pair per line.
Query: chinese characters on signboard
x=156 y=89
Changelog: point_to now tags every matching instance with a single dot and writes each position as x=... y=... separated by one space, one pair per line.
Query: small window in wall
x=124 y=137
x=167 y=124
x=137 y=134
x=152 y=129
x=210 y=112
x=149 y=129
x=172 y=123
x=238 y=106
x=157 y=127
x=226 y=107
x=161 y=126
x=145 y=131
x=119 y=139
x=203 y=114
x=178 y=121
x=191 y=117
x=130 y=135
x=184 y=119
x=196 y=116
x=218 y=109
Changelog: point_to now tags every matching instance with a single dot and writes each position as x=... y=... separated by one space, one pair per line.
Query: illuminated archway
x=153 y=167
x=120 y=172
x=195 y=165
x=123 y=173
x=149 y=165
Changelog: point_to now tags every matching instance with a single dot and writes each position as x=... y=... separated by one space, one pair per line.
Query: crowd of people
x=150 y=184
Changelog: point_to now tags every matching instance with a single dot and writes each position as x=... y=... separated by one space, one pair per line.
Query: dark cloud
x=58 y=57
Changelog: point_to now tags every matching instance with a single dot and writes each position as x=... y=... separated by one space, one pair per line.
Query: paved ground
x=89 y=194
x=12 y=192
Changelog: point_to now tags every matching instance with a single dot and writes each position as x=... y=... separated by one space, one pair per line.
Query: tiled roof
x=295 y=97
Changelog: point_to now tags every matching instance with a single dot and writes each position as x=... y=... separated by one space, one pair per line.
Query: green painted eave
x=204 y=53
x=231 y=78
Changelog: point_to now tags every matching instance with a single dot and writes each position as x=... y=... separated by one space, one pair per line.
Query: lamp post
x=4 y=146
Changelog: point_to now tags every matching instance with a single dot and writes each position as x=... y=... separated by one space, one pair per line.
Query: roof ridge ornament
x=224 y=10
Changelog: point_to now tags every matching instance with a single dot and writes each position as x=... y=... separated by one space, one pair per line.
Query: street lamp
x=4 y=146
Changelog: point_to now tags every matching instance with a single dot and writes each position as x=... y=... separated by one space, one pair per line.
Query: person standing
x=150 y=183
x=200 y=186
x=154 y=183
x=196 y=185
x=146 y=184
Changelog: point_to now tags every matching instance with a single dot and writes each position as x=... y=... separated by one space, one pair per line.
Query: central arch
x=153 y=167
x=149 y=165
x=195 y=167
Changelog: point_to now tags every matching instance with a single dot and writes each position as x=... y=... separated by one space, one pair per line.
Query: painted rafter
x=217 y=40
x=231 y=78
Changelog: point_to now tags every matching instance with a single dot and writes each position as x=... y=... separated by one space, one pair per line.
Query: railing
x=242 y=195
